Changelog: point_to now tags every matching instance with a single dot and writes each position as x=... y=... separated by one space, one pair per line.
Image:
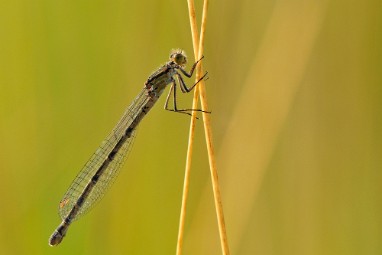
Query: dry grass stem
x=198 y=46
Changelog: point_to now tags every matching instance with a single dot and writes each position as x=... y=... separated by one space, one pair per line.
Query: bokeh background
x=295 y=91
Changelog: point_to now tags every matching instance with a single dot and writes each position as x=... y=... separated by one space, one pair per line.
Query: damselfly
x=102 y=168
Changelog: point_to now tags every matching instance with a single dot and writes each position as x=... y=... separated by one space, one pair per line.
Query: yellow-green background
x=295 y=91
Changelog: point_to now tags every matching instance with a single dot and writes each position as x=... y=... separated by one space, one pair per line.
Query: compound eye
x=180 y=59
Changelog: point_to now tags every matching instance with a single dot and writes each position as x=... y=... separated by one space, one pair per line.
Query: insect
x=102 y=168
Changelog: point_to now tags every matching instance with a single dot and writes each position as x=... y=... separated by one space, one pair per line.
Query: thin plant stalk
x=198 y=52
x=195 y=36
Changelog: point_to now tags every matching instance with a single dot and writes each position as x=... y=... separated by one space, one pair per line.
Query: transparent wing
x=107 y=178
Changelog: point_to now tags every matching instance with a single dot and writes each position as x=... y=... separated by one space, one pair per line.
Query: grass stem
x=198 y=45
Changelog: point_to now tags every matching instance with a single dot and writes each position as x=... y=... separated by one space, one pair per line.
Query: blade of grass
x=198 y=46
x=195 y=36
x=210 y=145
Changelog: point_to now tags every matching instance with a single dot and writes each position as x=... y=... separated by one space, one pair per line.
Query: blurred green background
x=295 y=91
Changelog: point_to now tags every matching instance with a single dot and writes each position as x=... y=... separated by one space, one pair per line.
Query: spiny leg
x=186 y=90
x=192 y=68
x=173 y=88
x=183 y=86
x=168 y=96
